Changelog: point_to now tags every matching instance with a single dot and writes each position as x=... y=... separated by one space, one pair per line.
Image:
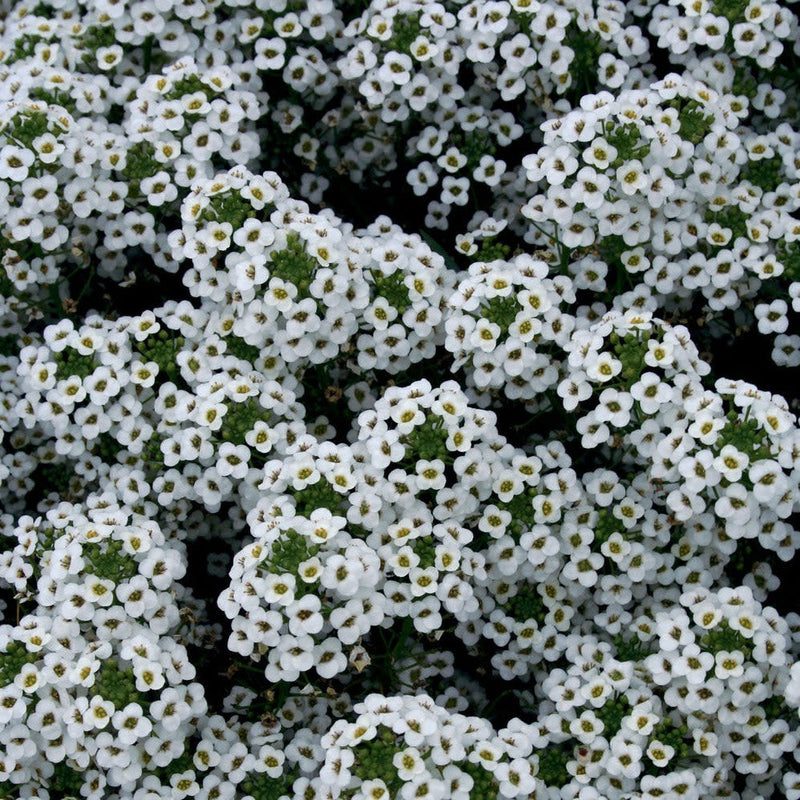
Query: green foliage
x=290 y=551
x=262 y=787
x=502 y=311
x=775 y=708
x=630 y=350
x=485 y=787
x=625 y=138
x=319 y=495
x=95 y=37
x=162 y=348
x=766 y=173
x=553 y=765
x=54 y=477
x=70 y=362
x=426 y=441
x=65 y=782
x=606 y=525
x=151 y=452
x=695 y=123
x=492 y=250
x=633 y=649
x=522 y=512
x=141 y=163
x=729 y=217
x=9 y=344
x=189 y=85
x=240 y=419
x=526 y=604
x=612 y=712
x=26 y=126
x=746 y=435
x=732 y=10
x=788 y=253
x=674 y=736
x=228 y=207
x=13 y=660
x=724 y=638
x=405 y=29
x=374 y=760
x=426 y=550
x=610 y=249
x=55 y=97
x=117 y=685
x=392 y=288
x=744 y=81
x=294 y=265
x=587 y=47
x=238 y=347
x=742 y=558
x=474 y=145
x=108 y=560
x=24 y=47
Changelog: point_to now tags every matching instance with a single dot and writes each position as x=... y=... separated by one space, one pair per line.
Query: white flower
x=625 y=760
x=430 y=474
x=631 y=177
x=279 y=589
x=232 y=460
x=772 y=317
x=304 y=616
x=409 y=763
x=587 y=727
x=731 y=463
x=407 y=415
x=455 y=191
x=296 y=653
x=15 y=162
x=342 y=575
x=396 y=68
x=329 y=660
x=574 y=389
x=651 y=392
x=603 y=368
x=729 y=664
x=516 y=777
x=131 y=724
x=659 y=753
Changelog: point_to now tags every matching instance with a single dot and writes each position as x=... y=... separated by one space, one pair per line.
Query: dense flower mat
x=397 y=400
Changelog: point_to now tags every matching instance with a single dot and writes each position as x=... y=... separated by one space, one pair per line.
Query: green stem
x=405 y=632
x=147 y=54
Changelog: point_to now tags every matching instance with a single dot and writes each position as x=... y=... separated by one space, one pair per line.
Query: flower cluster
x=508 y=325
x=163 y=416
x=349 y=538
x=410 y=746
x=299 y=287
x=749 y=30
x=643 y=190
x=732 y=450
x=97 y=689
x=632 y=708
x=49 y=192
x=405 y=63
